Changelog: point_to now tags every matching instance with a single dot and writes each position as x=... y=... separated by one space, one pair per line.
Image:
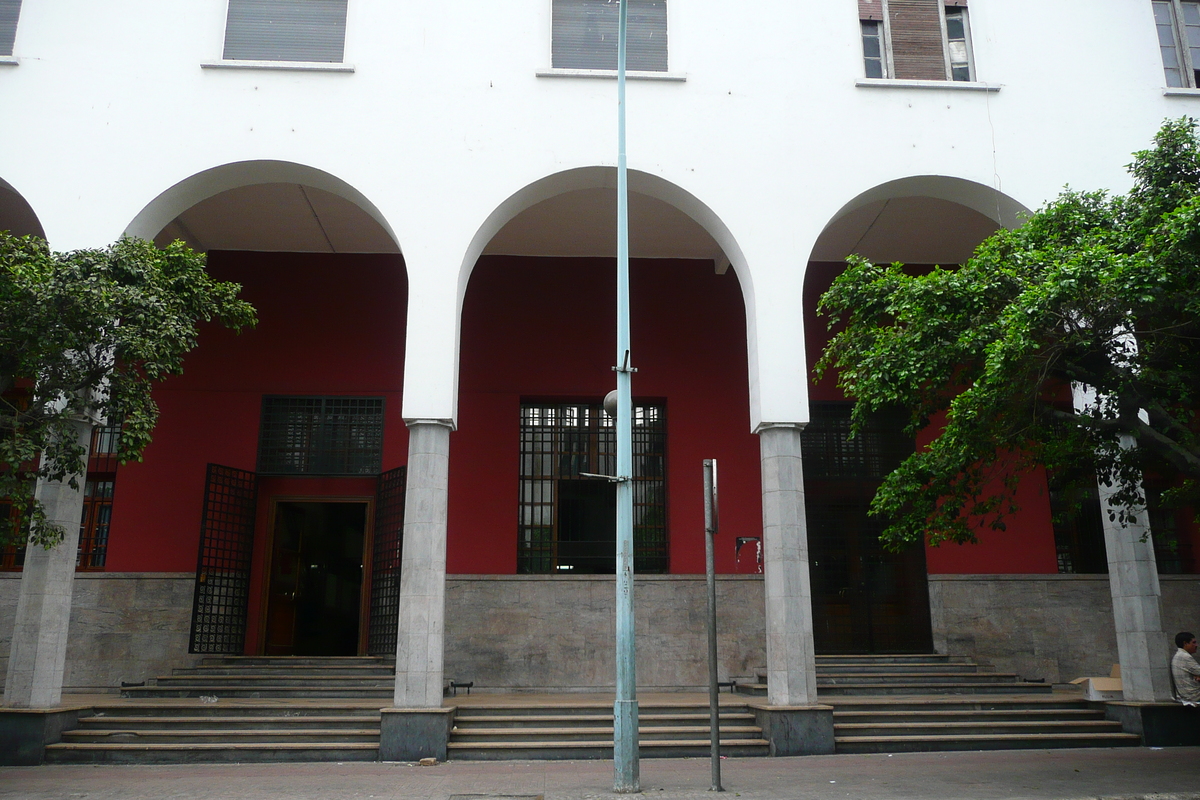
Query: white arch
x=203 y=185
x=986 y=200
x=15 y=208
x=595 y=177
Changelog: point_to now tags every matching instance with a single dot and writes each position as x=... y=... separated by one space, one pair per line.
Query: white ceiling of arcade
x=914 y=230
x=278 y=217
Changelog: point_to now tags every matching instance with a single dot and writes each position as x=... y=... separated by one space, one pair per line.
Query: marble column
x=1143 y=648
x=38 y=655
x=791 y=666
x=421 y=635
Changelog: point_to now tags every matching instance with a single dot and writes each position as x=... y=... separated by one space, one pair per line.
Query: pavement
x=1131 y=773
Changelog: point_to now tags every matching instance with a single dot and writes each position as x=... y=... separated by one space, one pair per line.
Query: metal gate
x=385 y=563
x=223 y=567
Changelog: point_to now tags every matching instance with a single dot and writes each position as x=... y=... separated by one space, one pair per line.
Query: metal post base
x=626 y=775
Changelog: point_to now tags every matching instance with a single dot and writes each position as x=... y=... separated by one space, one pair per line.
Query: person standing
x=1184 y=669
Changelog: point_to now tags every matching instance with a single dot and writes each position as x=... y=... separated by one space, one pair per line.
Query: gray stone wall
x=1052 y=627
x=555 y=632
x=125 y=626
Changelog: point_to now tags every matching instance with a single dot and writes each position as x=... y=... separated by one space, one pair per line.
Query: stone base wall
x=1050 y=627
x=125 y=626
x=556 y=632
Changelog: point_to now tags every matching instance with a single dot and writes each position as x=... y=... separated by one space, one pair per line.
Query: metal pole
x=626 y=779
x=714 y=700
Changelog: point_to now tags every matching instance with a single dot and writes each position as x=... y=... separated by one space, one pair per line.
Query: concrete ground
x=1126 y=773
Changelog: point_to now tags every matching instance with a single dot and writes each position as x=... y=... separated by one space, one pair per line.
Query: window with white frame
x=1178 y=23
x=286 y=30
x=916 y=40
x=584 y=35
x=10 y=10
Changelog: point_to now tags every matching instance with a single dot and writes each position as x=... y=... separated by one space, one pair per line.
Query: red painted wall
x=328 y=324
x=1026 y=547
x=544 y=328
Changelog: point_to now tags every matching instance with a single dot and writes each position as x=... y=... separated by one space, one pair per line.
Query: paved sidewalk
x=1127 y=773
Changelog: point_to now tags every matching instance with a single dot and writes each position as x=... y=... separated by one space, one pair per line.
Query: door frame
x=364 y=599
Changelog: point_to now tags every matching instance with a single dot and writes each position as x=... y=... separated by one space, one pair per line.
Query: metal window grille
x=321 y=436
x=94 y=523
x=831 y=452
x=584 y=35
x=102 y=455
x=560 y=441
x=223 y=567
x=10 y=11
x=286 y=30
x=385 y=563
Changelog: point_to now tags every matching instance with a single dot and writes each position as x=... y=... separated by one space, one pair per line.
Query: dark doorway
x=314 y=599
x=865 y=599
x=587 y=527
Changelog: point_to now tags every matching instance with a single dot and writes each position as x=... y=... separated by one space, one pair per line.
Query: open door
x=385 y=563
x=223 y=566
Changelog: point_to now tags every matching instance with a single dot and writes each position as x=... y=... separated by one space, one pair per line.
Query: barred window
x=93 y=524
x=831 y=452
x=321 y=436
x=567 y=523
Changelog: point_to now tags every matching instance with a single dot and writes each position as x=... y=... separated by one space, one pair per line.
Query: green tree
x=1094 y=289
x=86 y=334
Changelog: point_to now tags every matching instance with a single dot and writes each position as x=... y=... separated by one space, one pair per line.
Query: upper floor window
x=285 y=30
x=916 y=39
x=321 y=436
x=10 y=10
x=1178 y=24
x=584 y=35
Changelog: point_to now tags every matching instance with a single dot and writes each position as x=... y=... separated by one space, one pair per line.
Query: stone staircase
x=910 y=703
x=585 y=730
x=240 y=708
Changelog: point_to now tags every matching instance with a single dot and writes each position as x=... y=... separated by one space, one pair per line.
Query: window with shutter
x=926 y=40
x=1178 y=23
x=584 y=35
x=10 y=10
x=285 y=30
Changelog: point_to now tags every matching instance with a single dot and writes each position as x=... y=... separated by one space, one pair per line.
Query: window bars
x=566 y=522
x=321 y=436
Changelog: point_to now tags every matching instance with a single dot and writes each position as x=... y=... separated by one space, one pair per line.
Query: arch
x=202 y=185
x=902 y=212
x=16 y=215
x=597 y=177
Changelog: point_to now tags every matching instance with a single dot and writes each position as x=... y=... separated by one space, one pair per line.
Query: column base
x=410 y=734
x=1159 y=724
x=25 y=732
x=796 y=730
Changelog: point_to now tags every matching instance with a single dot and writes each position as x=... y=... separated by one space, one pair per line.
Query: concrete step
x=997 y=715
x=267 y=679
x=889 y=658
x=372 y=671
x=292 y=661
x=600 y=749
x=974 y=727
x=915 y=677
x=922 y=688
x=855 y=668
x=232 y=690
x=242 y=710
x=1009 y=741
x=517 y=736
x=165 y=753
x=228 y=723
x=596 y=710
x=945 y=702
x=323 y=736
x=463 y=720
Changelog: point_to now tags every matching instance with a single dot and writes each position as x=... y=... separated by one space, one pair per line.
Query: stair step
x=987 y=727
x=595 y=720
x=517 y=736
x=872 y=688
x=163 y=753
x=230 y=737
x=207 y=690
x=692 y=748
x=1012 y=741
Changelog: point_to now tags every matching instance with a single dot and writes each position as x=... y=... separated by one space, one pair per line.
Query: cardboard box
x=1109 y=688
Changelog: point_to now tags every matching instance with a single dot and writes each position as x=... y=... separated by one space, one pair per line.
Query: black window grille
x=94 y=522
x=223 y=567
x=321 y=436
x=386 y=562
x=567 y=523
x=831 y=452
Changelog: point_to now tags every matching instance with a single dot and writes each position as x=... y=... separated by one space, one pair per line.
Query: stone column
x=38 y=654
x=421 y=634
x=791 y=666
x=1142 y=645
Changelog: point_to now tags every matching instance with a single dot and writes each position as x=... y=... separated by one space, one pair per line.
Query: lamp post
x=625 y=710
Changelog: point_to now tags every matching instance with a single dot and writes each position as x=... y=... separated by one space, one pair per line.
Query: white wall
x=444 y=118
